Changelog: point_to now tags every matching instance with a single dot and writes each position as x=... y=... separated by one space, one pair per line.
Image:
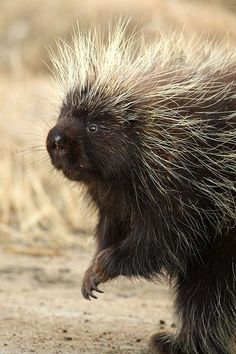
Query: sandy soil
x=42 y=311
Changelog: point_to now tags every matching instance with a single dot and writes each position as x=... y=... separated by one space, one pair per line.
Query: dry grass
x=38 y=208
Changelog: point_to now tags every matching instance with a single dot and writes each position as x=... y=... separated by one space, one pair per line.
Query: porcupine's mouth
x=82 y=173
x=70 y=173
x=74 y=175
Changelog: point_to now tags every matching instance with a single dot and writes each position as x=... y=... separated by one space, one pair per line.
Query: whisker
x=29 y=150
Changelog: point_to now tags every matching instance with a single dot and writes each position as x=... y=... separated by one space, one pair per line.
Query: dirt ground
x=42 y=311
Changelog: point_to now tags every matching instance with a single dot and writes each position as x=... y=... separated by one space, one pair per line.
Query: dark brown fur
x=136 y=230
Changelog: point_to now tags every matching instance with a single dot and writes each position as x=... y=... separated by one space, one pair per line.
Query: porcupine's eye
x=92 y=128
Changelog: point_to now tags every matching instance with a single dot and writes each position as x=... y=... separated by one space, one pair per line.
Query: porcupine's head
x=94 y=136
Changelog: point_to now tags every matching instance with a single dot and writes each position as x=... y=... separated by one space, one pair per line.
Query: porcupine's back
x=179 y=96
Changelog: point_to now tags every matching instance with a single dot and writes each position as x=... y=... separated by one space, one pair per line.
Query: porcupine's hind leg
x=206 y=306
x=164 y=343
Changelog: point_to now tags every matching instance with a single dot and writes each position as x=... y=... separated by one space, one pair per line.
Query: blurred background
x=40 y=212
x=46 y=227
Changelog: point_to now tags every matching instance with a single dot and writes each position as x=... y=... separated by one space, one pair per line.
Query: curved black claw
x=88 y=287
x=87 y=293
x=94 y=286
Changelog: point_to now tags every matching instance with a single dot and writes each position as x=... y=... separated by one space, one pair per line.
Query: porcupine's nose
x=58 y=141
x=59 y=144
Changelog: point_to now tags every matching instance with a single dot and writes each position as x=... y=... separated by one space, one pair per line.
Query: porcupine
x=150 y=130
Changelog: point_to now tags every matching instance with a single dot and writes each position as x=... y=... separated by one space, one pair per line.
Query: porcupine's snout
x=63 y=149
x=57 y=146
x=67 y=151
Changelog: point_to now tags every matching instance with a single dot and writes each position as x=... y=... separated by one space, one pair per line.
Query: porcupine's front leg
x=109 y=234
x=102 y=269
x=123 y=258
x=108 y=264
x=92 y=279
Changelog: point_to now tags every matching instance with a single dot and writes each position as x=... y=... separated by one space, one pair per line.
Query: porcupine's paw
x=90 y=284
x=163 y=343
x=94 y=276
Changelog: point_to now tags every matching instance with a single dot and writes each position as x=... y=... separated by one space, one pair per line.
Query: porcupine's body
x=151 y=132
